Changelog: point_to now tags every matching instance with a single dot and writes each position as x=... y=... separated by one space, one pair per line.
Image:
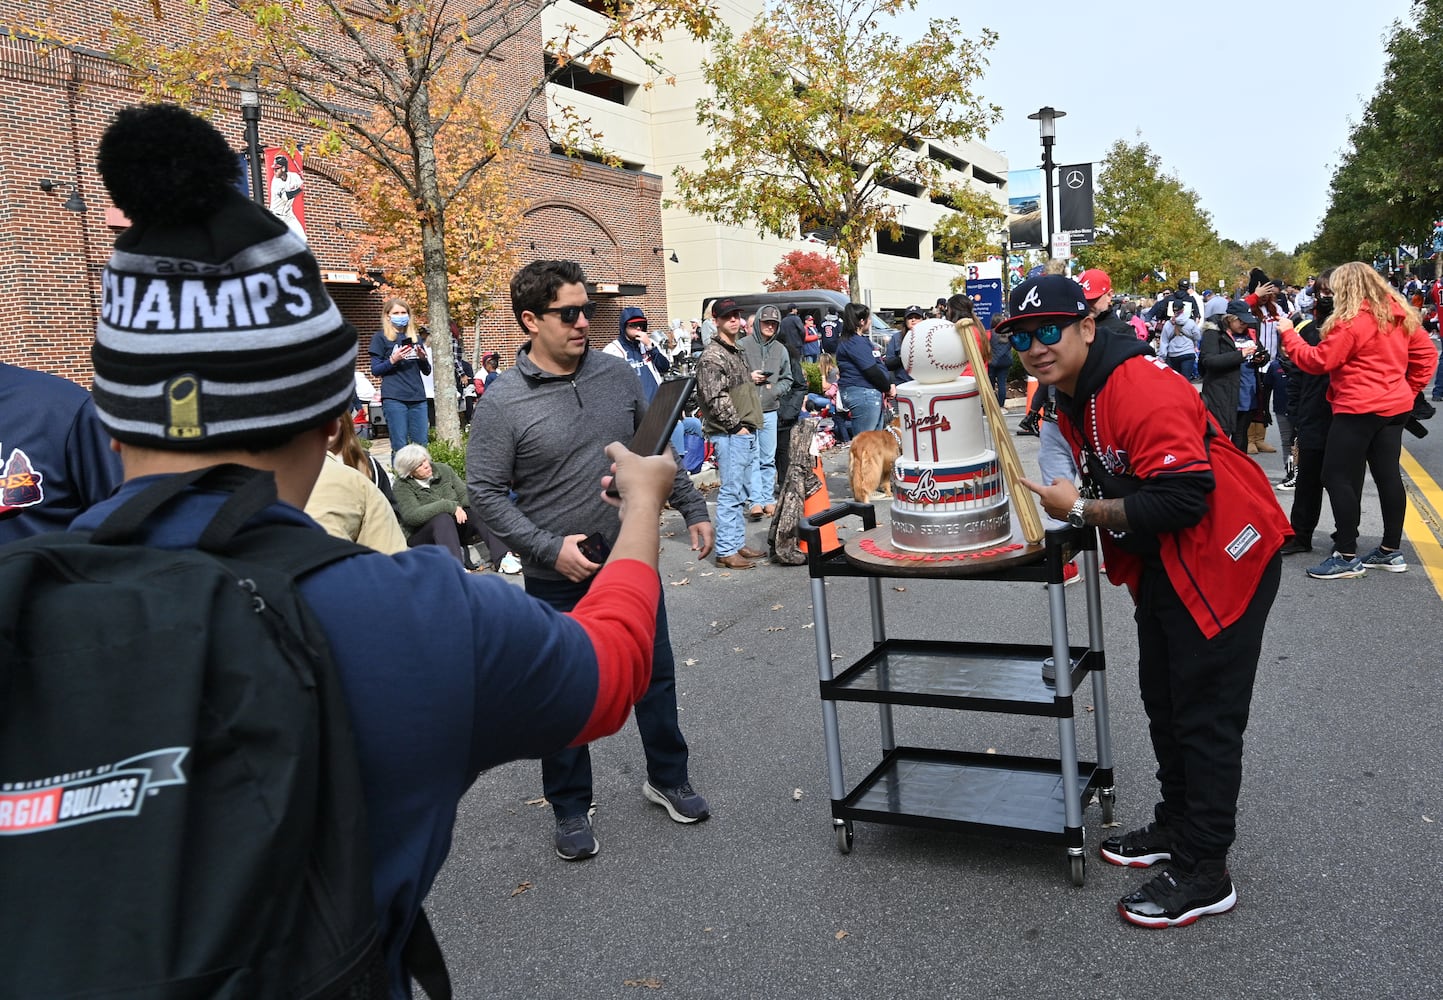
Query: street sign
x=1061 y=246
x=984 y=288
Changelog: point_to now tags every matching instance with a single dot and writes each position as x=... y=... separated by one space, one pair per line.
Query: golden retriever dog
x=870 y=465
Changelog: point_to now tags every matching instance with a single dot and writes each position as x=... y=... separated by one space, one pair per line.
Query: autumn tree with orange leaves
x=481 y=220
x=803 y=269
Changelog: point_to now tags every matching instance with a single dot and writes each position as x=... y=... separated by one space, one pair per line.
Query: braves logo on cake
x=968 y=485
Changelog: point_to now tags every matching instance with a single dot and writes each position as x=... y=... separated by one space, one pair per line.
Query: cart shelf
x=956 y=789
x=978 y=677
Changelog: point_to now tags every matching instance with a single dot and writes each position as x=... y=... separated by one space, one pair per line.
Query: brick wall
x=57 y=106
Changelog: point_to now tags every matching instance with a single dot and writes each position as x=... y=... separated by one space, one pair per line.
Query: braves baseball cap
x=1049 y=296
x=724 y=307
x=769 y=314
x=914 y=311
x=1095 y=283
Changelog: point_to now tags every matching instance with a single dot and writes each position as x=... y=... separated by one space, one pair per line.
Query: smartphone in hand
x=654 y=433
x=594 y=547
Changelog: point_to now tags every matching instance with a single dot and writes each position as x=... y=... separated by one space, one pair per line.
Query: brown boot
x=1261 y=440
x=734 y=561
x=1255 y=437
x=746 y=552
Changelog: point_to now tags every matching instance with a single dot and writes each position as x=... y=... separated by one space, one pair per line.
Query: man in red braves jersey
x=1191 y=527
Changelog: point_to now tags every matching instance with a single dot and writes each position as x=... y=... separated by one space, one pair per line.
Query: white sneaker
x=510 y=565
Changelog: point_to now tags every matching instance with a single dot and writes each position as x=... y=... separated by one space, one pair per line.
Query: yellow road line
x=1423 y=522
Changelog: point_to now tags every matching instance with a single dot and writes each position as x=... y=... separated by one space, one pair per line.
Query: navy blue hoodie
x=650 y=365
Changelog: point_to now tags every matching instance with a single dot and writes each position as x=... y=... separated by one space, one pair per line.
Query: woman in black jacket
x=1312 y=417
x=1225 y=348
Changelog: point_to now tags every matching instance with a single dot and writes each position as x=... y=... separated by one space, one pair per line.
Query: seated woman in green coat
x=431 y=505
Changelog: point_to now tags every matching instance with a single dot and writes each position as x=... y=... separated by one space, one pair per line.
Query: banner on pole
x=1024 y=209
x=1074 y=203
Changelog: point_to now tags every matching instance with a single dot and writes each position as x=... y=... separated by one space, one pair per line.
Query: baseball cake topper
x=932 y=352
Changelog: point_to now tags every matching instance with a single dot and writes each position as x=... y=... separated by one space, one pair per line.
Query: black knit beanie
x=215 y=330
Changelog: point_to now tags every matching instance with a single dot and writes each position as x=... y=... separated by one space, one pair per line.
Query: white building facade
x=656 y=130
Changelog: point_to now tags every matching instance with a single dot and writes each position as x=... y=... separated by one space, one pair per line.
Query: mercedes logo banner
x=1074 y=203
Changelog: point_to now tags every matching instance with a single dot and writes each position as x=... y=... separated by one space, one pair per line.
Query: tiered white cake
x=948 y=493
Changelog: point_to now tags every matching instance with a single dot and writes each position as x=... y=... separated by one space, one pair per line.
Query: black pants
x=443 y=530
x=1240 y=430
x=1197 y=693
x=566 y=776
x=1356 y=440
x=784 y=451
x=1308 y=494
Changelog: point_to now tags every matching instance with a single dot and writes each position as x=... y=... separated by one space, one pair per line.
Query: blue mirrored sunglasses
x=1046 y=335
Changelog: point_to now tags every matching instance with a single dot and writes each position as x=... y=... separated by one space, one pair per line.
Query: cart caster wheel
x=843 y=833
x=1079 y=869
x=1108 y=800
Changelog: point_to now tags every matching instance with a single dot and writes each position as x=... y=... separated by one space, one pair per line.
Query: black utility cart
x=1028 y=797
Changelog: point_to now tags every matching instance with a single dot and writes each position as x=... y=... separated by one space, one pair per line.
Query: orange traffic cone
x=818 y=502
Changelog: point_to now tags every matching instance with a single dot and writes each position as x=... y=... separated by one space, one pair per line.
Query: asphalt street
x=1338 y=862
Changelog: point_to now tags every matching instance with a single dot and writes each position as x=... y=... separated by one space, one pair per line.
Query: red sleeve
x=1331 y=353
x=623 y=638
x=1422 y=360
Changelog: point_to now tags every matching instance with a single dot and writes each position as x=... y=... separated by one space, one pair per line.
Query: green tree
x=816 y=111
x=971 y=232
x=385 y=80
x=1148 y=223
x=1387 y=188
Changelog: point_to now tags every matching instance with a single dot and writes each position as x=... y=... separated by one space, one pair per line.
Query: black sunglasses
x=568 y=314
x=1046 y=335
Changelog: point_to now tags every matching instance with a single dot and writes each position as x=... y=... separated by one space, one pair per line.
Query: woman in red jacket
x=1378 y=356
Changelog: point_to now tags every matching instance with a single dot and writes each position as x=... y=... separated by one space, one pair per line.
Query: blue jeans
x=865 y=404
x=678 y=436
x=566 y=776
x=736 y=456
x=762 y=484
x=405 y=422
x=1438 y=383
x=997 y=375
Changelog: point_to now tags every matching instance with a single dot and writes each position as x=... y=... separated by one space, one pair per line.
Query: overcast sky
x=1280 y=88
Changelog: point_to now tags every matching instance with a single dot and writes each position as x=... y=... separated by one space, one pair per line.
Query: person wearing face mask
x=1378 y=356
x=1312 y=417
x=399 y=359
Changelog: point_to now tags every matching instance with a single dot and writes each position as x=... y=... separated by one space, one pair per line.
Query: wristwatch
x=1074 y=516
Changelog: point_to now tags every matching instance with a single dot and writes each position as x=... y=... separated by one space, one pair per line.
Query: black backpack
x=181 y=812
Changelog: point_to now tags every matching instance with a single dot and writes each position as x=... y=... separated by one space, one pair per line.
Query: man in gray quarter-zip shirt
x=540 y=430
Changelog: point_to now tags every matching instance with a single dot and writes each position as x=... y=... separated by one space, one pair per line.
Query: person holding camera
x=399 y=359
x=543 y=418
x=1178 y=344
x=1229 y=360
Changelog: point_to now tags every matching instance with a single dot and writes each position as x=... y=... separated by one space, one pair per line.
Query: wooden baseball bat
x=1024 y=502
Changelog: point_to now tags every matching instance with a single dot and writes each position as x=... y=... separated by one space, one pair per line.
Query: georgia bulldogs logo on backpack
x=103 y=792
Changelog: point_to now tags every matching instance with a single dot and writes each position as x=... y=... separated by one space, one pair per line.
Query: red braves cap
x=1095 y=283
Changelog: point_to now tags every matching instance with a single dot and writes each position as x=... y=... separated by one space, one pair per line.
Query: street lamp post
x=1046 y=119
x=250 y=102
